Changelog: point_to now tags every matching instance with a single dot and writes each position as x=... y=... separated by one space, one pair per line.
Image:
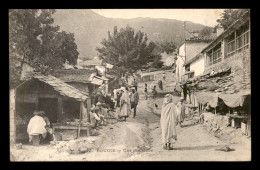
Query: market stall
x=65 y=106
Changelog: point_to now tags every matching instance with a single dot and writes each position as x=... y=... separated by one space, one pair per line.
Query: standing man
x=160 y=84
x=185 y=89
x=125 y=109
x=168 y=122
x=145 y=91
x=135 y=84
x=115 y=97
x=164 y=77
x=181 y=111
x=134 y=101
x=154 y=92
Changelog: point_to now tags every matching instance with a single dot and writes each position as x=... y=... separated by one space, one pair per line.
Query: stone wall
x=239 y=63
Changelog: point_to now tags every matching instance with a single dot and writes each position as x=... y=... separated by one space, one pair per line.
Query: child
x=154 y=92
x=145 y=91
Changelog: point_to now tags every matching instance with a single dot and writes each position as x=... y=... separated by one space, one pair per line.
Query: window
x=238 y=40
x=231 y=44
x=214 y=55
x=191 y=75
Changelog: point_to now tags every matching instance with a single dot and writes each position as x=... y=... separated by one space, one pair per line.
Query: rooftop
x=62 y=88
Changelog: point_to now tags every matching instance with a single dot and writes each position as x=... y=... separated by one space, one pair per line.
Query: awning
x=207 y=97
x=234 y=100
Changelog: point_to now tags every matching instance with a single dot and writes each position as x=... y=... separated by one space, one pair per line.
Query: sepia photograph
x=129 y=85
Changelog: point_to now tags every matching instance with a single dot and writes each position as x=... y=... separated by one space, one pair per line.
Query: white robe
x=125 y=109
x=36 y=126
x=169 y=120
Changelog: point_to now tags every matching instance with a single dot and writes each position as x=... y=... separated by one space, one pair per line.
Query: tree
x=34 y=38
x=125 y=49
x=229 y=16
x=155 y=61
x=206 y=31
x=168 y=47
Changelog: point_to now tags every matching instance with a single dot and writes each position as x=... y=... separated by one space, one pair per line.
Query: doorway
x=50 y=107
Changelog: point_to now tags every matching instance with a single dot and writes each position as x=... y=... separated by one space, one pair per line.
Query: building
x=186 y=52
x=91 y=63
x=230 y=48
x=225 y=84
x=78 y=78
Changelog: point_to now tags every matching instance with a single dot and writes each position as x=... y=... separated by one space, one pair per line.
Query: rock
x=18 y=146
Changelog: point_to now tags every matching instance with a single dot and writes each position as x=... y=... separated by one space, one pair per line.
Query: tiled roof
x=208 y=38
x=63 y=88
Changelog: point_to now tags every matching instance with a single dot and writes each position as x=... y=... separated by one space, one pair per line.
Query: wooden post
x=60 y=109
x=88 y=109
x=12 y=115
x=80 y=117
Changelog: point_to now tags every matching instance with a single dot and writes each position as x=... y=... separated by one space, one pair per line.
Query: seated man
x=98 y=115
x=36 y=126
x=48 y=125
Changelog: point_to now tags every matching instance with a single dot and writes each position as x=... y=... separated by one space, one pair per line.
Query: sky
x=206 y=17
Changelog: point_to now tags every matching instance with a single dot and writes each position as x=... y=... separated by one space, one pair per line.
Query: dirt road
x=139 y=139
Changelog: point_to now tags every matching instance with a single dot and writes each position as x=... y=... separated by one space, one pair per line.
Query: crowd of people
x=119 y=105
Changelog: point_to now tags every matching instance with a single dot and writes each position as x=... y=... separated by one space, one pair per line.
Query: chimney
x=219 y=29
x=195 y=34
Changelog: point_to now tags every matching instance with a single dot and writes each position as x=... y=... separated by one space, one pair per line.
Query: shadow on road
x=200 y=147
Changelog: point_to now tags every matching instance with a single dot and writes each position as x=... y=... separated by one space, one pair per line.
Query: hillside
x=90 y=28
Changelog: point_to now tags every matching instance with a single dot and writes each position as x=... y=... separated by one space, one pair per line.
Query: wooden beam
x=80 y=118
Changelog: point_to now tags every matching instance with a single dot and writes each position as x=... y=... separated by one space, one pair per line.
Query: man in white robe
x=168 y=122
x=125 y=109
x=36 y=126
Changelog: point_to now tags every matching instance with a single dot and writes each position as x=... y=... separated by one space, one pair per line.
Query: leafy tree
x=168 y=47
x=206 y=31
x=155 y=61
x=229 y=16
x=34 y=38
x=125 y=49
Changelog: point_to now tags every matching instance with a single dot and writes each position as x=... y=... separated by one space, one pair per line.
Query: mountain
x=90 y=28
